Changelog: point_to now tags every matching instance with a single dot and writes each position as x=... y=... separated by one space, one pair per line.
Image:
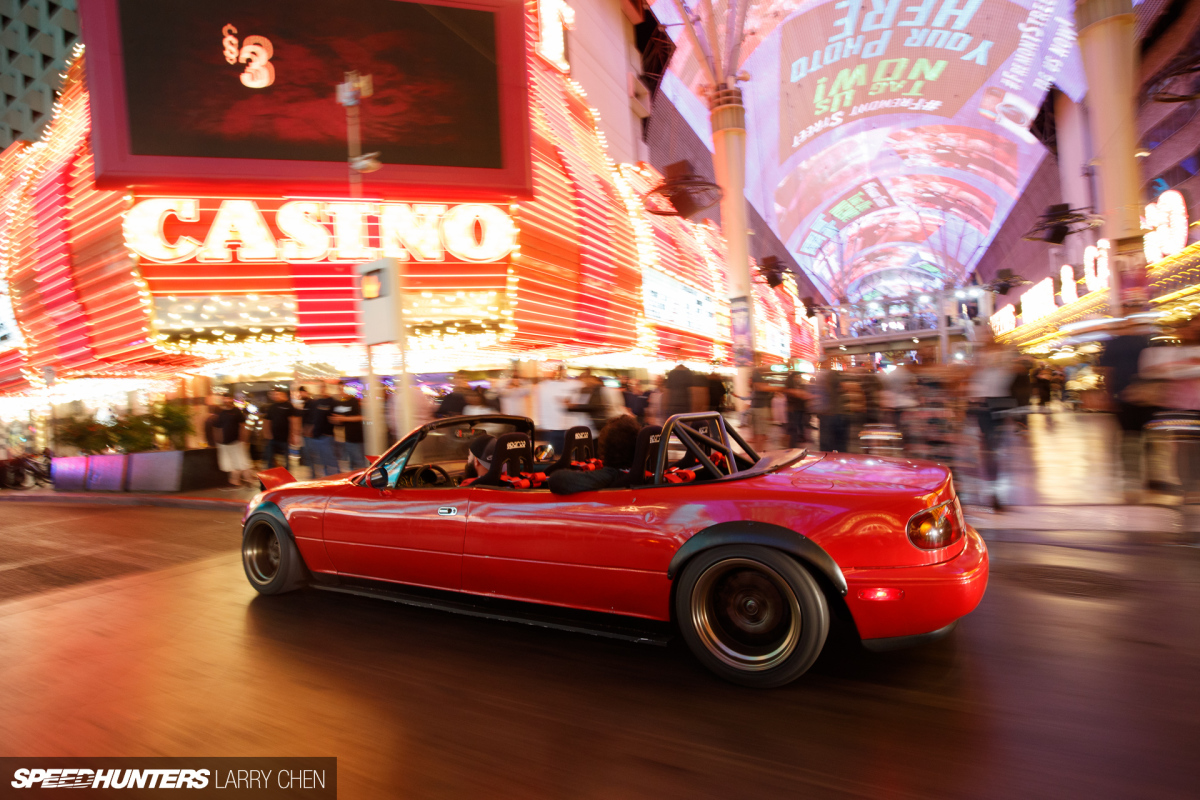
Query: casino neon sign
x=312 y=231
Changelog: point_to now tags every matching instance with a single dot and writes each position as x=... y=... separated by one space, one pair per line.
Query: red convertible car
x=749 y=557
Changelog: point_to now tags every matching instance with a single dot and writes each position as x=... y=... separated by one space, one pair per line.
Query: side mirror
x=543 y=452
x=377 y=478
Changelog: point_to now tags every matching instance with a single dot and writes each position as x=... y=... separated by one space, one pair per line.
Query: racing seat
x=579 y=450
x=645 y=456
x=512 y=463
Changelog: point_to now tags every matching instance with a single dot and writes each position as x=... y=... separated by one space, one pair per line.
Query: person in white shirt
x=514 y=397
x=989 y=392
x=551 y=401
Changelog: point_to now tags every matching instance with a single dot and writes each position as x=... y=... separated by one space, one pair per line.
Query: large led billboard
x=887 y=140
x=243 y=92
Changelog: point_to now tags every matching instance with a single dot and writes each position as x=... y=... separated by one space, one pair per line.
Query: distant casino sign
x=168 y=230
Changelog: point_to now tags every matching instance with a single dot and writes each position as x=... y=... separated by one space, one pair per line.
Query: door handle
x=447 y=511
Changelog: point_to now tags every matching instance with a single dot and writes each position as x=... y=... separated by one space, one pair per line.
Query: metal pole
x=1108 y=45
x=350 y=95
x=376 y=428
x=401 y=399
x=728 y=118
x=353 y=136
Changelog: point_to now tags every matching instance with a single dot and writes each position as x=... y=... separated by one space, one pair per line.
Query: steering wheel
x=440 y=476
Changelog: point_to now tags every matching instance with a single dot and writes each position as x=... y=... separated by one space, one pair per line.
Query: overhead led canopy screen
x=890 y=138
x=249 y=88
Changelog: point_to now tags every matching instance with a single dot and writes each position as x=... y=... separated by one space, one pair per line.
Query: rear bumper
x=933 y=596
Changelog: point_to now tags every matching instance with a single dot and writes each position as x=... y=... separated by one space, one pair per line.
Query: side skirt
x=609 y=626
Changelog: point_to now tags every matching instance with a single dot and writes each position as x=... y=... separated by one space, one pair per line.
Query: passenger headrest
x=578 y=446
x=510 y=454
x=645 y=453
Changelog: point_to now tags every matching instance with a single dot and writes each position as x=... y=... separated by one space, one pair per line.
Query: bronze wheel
x=746 y=614
x=261 y=553
x=751 y=614
x=270 y=558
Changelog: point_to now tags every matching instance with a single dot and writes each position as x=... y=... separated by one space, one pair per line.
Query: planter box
x=69 y=473
x=174 y=471
x=106 y=473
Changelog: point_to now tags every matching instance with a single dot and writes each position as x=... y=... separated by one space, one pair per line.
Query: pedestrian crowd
x=953 y=413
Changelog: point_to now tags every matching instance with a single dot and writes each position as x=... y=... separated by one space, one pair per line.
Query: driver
x=479 y=458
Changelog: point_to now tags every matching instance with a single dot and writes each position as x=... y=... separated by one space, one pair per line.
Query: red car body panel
x=933 y=596
x=609 y=550
x=396 y=534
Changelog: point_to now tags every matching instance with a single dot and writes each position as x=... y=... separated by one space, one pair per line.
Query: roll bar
x=687 y=428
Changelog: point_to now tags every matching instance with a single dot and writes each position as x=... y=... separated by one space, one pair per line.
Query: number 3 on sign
x=255 y=53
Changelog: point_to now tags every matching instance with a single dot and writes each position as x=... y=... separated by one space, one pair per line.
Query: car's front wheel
x=751 y=614
x=270 y=558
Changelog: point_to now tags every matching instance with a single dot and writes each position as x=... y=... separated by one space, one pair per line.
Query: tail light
x=937 y=527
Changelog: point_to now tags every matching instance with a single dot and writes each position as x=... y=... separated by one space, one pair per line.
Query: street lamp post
x=350 y=93
x=1108 y=44
x=718 y=48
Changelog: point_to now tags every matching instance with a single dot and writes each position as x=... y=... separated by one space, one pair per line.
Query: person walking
x=455 y=403
x=761 y=396
x=594 y=403
x=1118 y=365
x=797 y=408
x=551 y=401
x=654 y=401
x=636 y=400
x=988 y=393
x=831 y=411
x=318 y=434
x=717 y=392
x=210 y=424
x=347 y=414
x=677 y=391
x=1171 y=385
x=514 y=397
x=283 y=423
x=231 y=446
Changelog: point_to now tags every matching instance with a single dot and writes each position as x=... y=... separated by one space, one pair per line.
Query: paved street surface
x=132 y=631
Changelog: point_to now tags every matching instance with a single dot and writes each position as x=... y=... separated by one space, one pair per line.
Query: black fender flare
x=767 y=535
x=269 y=509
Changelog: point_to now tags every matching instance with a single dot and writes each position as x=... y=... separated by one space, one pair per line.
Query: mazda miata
x=748 y=557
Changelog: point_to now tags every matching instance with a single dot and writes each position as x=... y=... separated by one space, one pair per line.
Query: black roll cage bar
x=686 y=430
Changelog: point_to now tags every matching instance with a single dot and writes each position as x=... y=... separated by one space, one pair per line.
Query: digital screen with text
x=256 y=79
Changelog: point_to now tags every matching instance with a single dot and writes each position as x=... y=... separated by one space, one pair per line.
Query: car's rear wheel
x=270 y=558
x=751 y=614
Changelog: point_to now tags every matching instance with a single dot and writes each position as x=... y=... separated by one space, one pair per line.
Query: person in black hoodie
x=454 y=403
x=595 y=406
